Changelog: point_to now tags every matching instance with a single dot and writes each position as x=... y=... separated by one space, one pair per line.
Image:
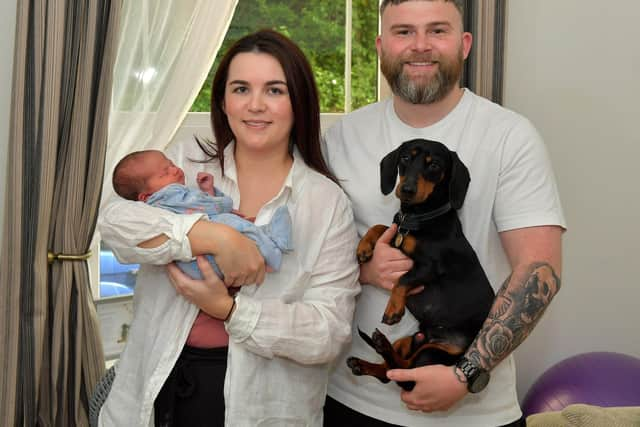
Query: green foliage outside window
x=318 y=27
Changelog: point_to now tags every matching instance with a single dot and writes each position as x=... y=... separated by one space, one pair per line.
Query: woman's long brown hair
x=303 y=93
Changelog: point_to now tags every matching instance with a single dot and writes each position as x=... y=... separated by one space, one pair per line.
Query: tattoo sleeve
x=517 y=308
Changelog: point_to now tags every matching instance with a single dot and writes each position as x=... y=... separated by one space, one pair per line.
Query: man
x=511 y=216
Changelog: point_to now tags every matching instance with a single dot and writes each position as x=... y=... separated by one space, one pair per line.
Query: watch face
x=477 y=378
x=480 y=382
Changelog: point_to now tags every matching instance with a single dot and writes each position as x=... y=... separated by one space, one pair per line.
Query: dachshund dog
x=457 y=295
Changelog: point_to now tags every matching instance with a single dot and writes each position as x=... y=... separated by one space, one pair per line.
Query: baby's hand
x=205 y=182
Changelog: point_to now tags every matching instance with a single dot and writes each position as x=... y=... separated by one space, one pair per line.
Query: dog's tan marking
x=368 y=242
x=396 y=305
x=448 y=348
x=403 y=346
x=424 y=190
x=401 y=179
x=409 y=244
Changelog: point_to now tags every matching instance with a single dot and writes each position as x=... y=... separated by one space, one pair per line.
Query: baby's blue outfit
x=272 y=239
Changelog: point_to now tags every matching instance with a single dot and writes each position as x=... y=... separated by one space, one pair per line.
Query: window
x=115 y=278
x=319 y=28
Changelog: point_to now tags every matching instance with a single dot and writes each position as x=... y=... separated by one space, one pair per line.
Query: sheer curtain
x=166 y=50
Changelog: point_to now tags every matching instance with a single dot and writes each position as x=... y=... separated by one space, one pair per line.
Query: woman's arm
x=139 y=233
x=124 y=225
x=314 y=328
x=210 y=294
x=310 y=330
x=237 y=256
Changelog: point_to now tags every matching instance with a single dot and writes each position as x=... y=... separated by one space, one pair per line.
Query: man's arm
x=535 y=255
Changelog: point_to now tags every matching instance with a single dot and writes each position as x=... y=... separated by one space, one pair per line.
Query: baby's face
x=160 y=172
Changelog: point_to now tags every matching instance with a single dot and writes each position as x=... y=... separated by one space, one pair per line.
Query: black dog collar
x=411 y=222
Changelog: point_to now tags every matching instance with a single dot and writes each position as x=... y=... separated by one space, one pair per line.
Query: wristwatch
x=477 y=378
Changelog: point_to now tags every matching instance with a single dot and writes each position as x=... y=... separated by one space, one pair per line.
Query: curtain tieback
x=51 y=257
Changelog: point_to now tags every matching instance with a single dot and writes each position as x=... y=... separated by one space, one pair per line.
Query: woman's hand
x=209 y=294
x=387 y=264
x=237 y=256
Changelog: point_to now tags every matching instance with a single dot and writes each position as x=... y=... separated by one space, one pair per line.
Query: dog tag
x=399 y=239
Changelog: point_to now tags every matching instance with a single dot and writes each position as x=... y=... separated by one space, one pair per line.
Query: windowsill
x=115 y=315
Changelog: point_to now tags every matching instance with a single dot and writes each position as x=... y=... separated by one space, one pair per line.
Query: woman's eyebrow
x=246 y=83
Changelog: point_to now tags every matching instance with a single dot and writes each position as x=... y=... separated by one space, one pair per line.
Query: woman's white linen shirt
x=284 y=334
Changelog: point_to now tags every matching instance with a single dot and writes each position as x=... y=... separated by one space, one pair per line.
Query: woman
x=282 y=334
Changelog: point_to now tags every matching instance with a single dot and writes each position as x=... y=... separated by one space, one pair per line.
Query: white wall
x=8 y=22
x=572 y=67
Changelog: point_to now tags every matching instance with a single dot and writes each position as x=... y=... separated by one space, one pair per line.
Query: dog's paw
x=392 y=317
x=364 y=251
x=354 y=364
x=396 y=306
x=381 y=342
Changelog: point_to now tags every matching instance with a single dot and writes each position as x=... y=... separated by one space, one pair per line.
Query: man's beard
x=422 y=90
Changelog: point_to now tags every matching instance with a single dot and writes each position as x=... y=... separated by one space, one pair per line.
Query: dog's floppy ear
x=389 y=171
x=459 y=181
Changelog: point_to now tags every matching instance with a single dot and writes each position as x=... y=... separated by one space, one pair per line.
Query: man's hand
x=387 y=264
x=437 y=388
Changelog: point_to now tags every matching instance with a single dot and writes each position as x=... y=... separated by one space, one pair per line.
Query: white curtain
x=165 y=52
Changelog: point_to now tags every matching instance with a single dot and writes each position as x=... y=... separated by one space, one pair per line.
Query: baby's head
x=141 y=173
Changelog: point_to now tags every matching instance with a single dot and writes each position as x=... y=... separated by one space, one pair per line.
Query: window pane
x=115 y=279
x=364 y=59
x=319 y=29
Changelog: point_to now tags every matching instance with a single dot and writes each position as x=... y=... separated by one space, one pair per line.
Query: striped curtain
x=51 y=355
x=483 y=72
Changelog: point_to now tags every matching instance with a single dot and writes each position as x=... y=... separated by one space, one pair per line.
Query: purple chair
x=600 y=378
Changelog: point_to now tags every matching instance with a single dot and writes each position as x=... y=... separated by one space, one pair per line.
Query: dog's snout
x=408 y=189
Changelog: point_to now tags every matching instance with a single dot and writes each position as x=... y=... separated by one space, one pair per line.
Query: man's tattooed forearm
x=518 y=306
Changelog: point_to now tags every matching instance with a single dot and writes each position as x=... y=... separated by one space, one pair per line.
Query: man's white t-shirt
x=512 y=186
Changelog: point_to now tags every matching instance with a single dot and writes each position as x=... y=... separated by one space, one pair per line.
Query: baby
x=149 y=176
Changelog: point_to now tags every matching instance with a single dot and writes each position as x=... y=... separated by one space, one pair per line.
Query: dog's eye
x=434 y=167
x=405 y=158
